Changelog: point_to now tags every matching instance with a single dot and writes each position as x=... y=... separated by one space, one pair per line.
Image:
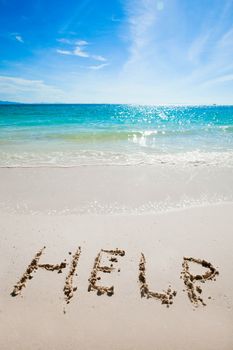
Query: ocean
x=74 y=135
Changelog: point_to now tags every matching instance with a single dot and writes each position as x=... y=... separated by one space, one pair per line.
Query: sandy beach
x=116 y=175
x=165 y=213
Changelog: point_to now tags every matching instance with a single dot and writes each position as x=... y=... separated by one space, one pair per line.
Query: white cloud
x=197 y=48
x=99 y=58
x=221 y=79
x=217 y=66
x=19 y=81
x=98 y=66
x=64 y=41
x=64 y=52
x=76 y=52
x=79 y=52
x=226 y=40
x=141 y=18
x=78 y=42
x=26 y=90
x=17 y=37
x=81 y=42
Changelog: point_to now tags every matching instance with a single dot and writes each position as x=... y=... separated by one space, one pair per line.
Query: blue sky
x=117 y=51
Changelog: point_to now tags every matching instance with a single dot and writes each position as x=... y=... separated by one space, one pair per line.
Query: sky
x=117 y=51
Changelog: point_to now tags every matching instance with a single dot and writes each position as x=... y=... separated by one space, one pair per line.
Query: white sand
x=49 y=207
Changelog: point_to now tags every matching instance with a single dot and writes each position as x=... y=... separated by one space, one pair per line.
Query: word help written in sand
x=191 y=281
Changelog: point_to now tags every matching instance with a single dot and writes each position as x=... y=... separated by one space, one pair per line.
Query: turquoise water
x=69 y=135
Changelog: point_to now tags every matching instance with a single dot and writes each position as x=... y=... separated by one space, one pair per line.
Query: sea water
x=73 y=135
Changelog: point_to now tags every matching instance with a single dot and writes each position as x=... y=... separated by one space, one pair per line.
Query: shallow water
x=71 y=135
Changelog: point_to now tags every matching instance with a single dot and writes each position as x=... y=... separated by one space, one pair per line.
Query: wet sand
x=128 y=278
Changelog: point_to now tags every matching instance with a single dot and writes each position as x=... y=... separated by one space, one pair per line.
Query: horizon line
x=114 y=103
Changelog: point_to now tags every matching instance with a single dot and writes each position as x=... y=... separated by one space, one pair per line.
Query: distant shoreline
x=13 y=103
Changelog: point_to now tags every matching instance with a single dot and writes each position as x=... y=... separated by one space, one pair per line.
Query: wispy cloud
x=221 y=79
x=17 y=37
x=79 y=52
x=226 y=40
x=218 y=65
x=16 y=88
x=77 y=49
x=77 y=42
x=175 y=53
x=64 y=41
x=19 y=81
x=64 y=52
x=99 y=58
x=81 y=42
x=197 y=48
x=141 y=18
x=98 y=66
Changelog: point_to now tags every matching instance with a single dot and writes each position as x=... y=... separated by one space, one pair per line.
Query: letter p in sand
x=190 y=280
